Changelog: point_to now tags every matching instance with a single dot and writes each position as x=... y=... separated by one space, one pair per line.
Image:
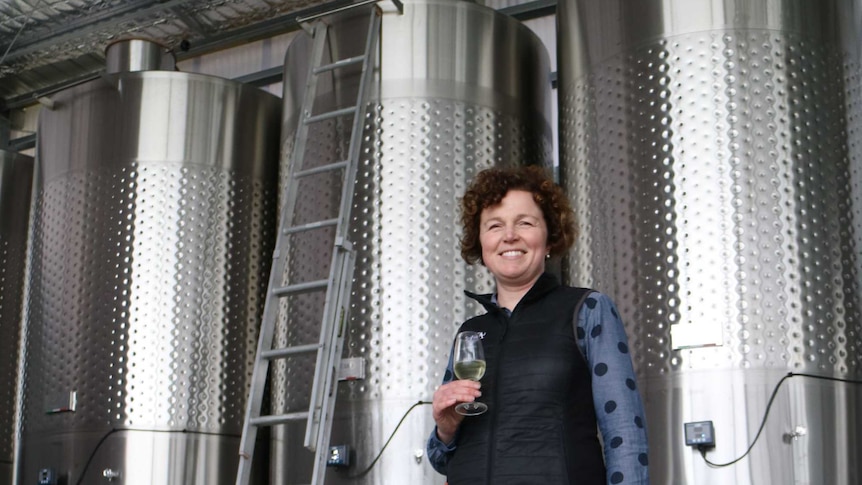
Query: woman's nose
x=510 y=234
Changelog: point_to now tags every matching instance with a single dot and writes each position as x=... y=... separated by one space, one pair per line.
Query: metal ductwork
x=710 y=150
x=154 y=210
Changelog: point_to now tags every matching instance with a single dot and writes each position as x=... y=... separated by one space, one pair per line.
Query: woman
x=557 y=357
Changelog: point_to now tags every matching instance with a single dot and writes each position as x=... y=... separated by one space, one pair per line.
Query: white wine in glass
x=469 y=363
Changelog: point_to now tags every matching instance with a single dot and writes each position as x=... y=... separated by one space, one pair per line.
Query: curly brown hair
x=488 y=189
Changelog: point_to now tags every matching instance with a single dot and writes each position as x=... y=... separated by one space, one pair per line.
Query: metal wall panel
x=710 y=149
x=154 y=212
x=16 y=180
x=460 y=88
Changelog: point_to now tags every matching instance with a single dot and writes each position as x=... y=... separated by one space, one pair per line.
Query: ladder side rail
x=261 y=365
x=331 y=385
x=336 y=308
x=301 y=137
x=339 y=302
x=271 y=302
x=348 y=184
x=325 y=360
x=354 y=149
x=257 y=384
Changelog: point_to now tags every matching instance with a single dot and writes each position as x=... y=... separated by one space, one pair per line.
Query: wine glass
x=469 y=364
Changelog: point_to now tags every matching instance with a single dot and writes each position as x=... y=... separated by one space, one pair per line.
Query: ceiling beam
x=261 y=30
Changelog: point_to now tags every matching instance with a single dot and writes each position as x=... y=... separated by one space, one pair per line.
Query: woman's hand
x=445 y=399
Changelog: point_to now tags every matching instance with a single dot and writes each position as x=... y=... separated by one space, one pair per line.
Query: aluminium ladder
x=328 y=349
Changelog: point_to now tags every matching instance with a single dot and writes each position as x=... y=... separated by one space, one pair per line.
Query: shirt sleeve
x=617 y=401
x=439 y=452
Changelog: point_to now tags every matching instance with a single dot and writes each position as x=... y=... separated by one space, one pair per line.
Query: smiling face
x=514 y=239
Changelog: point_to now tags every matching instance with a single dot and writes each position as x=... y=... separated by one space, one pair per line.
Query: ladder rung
x=330 y=114
x=311 y=226
x=279 y=419
x=288 y=351
x=300 y=288
x=340 y=63
x=322 y=168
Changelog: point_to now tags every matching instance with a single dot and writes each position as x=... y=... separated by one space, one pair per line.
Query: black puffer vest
x=540 y=427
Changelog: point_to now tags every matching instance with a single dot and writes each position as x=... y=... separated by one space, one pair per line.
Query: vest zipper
x=491 y=441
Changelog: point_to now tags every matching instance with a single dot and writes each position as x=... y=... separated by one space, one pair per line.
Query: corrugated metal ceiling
x=45 y=43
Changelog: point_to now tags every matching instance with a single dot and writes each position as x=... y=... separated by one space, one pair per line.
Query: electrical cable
x=93 y=455
x=360 y=474
x=117 y=430
x=392 y=435
x=703 y=449
x=364 y=472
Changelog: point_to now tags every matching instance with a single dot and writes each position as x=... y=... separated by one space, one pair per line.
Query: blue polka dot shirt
x=618 y=405
x=619 y=410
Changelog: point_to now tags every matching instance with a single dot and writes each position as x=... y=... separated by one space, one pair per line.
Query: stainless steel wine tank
x=459 y=88
x=711 y=148
x=16 y=179
x=154 y=210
